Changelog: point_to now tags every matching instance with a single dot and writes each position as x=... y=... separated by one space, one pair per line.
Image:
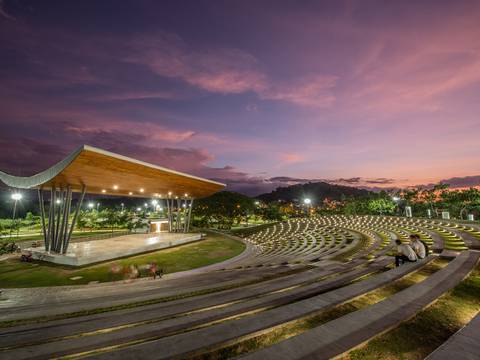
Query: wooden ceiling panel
x=107 y=173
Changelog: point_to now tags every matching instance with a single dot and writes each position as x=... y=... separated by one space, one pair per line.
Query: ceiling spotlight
x=16 y=196
x=169 y=193
x=104 y=191
x=115 y=187
x=142 y=190
x=130 y=193
x=186 y=194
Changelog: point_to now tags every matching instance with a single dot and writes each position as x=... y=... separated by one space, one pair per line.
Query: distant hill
x=316 y=191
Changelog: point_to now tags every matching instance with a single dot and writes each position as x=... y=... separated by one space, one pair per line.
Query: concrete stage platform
x=94 y=251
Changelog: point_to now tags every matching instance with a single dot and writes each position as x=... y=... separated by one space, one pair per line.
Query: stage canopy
x=102 y=172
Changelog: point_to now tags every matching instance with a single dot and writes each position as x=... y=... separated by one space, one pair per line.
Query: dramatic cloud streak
x=368 y=94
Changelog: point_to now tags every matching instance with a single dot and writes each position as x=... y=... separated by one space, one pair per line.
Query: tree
x=382 y=206
x=224 y=208
x=461 y=202
x=271 y=212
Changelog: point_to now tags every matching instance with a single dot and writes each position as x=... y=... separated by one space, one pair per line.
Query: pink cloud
x=228 y=71
x=219 y=70
x=312 y=91
x=291 y=158
x=403 y=69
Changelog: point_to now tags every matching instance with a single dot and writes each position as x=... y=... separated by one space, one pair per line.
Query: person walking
x=153 y=269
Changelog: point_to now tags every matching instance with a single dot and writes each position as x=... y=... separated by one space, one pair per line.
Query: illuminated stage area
x=89 y=252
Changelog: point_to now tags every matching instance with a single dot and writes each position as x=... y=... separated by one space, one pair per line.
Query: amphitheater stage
x=94 y=251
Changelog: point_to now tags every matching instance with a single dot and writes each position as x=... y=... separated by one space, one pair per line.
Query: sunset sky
x=252 y=93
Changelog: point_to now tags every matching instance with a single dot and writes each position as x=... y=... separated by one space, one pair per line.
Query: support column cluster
x=58 y=229
x=179 y=211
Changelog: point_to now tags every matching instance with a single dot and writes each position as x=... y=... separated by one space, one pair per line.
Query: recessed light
x=104 y=191
x=142 y=190
x=130 y=193
x=115 y=187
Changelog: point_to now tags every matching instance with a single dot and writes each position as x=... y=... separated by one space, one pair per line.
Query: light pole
x=307 y=202
x=16 y=197
x=396 y=199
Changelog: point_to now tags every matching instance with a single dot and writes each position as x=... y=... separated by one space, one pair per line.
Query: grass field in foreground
x=215 y=248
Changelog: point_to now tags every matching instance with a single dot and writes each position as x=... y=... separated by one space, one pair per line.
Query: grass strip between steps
x=430 y=328
x=40 y=319
x=285 y=331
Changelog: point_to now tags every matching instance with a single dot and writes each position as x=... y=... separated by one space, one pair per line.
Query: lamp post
x=16 y=197
x=307 y=202
x=396 y=199
x=154 y=203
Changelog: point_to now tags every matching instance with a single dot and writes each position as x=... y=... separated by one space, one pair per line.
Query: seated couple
x=417 y=249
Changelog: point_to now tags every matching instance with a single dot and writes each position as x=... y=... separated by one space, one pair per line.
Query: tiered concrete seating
x=338 y=336
x=292 y=271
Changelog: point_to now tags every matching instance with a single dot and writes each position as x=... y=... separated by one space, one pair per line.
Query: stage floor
x=89 y=252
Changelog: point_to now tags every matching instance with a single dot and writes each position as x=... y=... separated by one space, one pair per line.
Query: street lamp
x=16 y=197
x=307 y=202
x=91 y=205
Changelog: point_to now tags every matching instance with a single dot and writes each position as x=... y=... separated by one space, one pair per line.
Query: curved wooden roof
x=104 y=172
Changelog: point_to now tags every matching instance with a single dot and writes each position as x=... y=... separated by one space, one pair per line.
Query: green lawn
x=33 y=236
x=215 y=248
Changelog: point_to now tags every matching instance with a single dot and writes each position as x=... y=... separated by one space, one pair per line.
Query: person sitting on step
x=405 y=253
x=418 y=246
